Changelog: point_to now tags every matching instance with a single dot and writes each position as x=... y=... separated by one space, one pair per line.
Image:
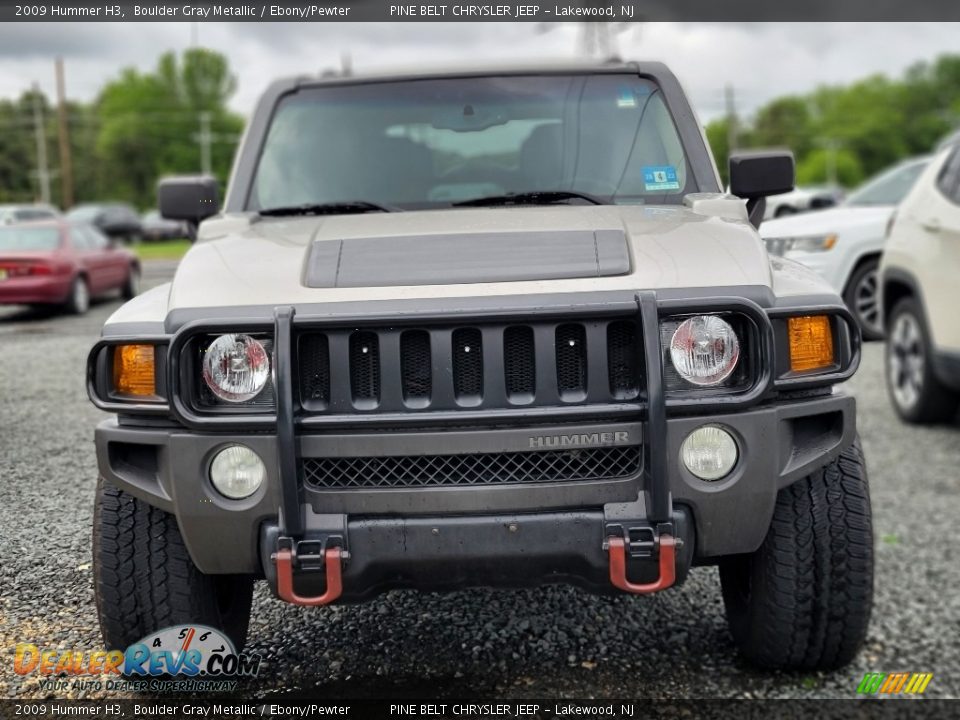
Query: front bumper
x=560 y=527
x=621 y=529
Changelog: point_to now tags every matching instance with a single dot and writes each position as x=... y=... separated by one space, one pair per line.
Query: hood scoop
x=466 y=258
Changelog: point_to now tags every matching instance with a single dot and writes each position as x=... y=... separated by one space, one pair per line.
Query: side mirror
x=758 y=174
x=191 y=198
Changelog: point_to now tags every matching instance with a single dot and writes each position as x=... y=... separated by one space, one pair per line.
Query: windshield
x=27 y=238
x=431 y=143
x=84 y=212
x=890 y=187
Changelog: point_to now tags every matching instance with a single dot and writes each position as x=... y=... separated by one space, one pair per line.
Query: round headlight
x=236 y=367
x=709 y=452
x=704 y=349
x=237 y=471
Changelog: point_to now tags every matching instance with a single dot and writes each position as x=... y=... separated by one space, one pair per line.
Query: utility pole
x=43 y=170
x=66 y=161
x=732 y=130
x=205 y=139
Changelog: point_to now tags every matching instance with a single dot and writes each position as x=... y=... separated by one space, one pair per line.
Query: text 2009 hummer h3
x=495 y=328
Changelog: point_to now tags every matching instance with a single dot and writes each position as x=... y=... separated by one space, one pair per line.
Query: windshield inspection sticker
x=660 y=177
x=626 y=98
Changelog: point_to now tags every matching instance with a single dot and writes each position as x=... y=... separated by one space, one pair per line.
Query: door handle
x=931 y=225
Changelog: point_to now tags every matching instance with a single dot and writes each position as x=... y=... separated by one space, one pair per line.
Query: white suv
x=844 y=243
x=921 y=296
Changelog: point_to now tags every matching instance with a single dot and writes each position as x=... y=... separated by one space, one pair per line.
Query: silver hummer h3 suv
x=498 y=328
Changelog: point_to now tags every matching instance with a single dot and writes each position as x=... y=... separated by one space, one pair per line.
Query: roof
x=560 y=67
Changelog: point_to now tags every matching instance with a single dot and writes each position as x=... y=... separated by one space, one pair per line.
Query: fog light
x=709 y=452
x=236 y=472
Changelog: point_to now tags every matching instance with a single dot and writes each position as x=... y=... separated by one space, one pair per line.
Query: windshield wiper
x=330 y=208
x=535 y=197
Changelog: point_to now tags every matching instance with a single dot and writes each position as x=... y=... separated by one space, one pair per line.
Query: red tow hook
x=331 y=561
x=618 y=566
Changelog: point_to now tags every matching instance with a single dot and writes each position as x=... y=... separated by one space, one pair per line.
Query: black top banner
x=474 y=11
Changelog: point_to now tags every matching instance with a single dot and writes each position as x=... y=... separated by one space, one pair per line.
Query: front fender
x=143 y=315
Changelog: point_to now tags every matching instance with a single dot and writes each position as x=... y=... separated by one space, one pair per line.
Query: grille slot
x=365 y=369
x=415 y=367
x=571 y=342
x=467 y=366
x=407 y=471
x=519 y=363
x=314 y=368
x=623 y=367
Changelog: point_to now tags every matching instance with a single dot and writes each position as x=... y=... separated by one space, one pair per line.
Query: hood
x=834 y=220
x=465 y=253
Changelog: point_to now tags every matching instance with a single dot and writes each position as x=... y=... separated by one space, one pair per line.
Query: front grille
x=405 y=471
x=482 y=366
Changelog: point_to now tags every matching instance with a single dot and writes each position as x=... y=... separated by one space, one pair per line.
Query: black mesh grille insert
x=467 y=363
x=415 y=364
x=519 y=362
x=622 y=359
x=365 y=367
x=314 y=368
x=571 y=361
x=474 y=469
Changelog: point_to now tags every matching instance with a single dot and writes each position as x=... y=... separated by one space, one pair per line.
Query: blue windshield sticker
x=660 y=177
x=626 y=98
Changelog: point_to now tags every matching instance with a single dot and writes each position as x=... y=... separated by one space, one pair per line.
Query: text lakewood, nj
x=516 y=11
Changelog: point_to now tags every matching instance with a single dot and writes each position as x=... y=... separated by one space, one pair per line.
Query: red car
x=59 y=262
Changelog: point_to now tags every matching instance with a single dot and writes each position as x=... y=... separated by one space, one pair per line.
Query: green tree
x=815 y=169
x=150 y=124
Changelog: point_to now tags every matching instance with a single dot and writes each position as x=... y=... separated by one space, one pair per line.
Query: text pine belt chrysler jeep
x=487 y=328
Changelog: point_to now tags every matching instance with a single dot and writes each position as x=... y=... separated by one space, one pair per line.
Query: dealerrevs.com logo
x=179 y=658
x=894 y=683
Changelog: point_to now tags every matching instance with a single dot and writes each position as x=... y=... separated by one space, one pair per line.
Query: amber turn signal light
x=134 y=373
x=811 y=343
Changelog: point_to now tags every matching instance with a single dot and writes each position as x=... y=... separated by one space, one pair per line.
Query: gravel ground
x=552 y=642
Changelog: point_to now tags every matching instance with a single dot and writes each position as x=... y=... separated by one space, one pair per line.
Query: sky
x=759 y=60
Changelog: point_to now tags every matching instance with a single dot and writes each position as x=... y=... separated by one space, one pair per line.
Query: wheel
x=785 y=210
x=144 y=579
x=917 y=395
x=802 y=601
x=78 y=301
x=131 y=288
x=862 y=296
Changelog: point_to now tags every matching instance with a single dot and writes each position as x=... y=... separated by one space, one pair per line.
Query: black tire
x=802 y=601
x=862 y=297
x=131 y=288
x=144 y=579
x=917 y=394
x=78 y=300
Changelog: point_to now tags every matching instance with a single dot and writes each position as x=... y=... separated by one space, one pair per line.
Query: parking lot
x=550 y=642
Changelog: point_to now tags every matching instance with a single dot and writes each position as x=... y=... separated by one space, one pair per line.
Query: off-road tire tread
x=145 y=580
x=811 y=581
